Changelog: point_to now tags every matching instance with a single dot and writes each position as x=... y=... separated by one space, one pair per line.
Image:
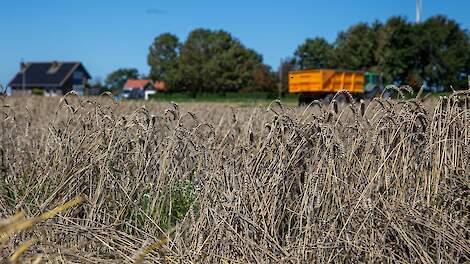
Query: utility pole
x=418 y=11
x=280 y=81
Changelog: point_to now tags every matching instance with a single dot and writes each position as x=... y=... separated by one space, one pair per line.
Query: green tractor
x=373 y=86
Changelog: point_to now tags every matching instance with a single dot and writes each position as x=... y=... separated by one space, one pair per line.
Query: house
x=49 y=78
x=141 y=88
x=138 y=84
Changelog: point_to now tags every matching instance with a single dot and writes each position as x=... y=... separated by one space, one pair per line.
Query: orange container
x=326 y=81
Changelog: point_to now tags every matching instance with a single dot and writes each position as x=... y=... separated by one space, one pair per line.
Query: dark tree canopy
x=314 y=53
x=444 y=52
x=214 y=61
x=116 y=80
x=397 y=50
x=285 y=67
x=163 y=55
x=355 y=48
x=263 y=80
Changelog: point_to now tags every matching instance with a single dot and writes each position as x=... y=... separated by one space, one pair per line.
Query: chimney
x=22 y=66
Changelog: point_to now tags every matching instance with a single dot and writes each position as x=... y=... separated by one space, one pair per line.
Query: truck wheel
x=373 y=93
x=301 y=100
x=305 y=99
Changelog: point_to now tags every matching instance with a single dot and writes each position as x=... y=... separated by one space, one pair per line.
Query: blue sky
x=110 y=34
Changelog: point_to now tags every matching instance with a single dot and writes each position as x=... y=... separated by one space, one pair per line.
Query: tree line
x=208 y=61
x=435 y=53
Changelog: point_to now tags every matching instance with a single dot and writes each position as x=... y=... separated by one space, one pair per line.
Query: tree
x=435 y=53
x=232 y=68
x=285 y=67
x=163 y=55
x=214 y=61
x=444 y=51
x=194 y=55
x=314 y=53
x=116 y=80
x=355 y=48
x=263 y=80
x=397 y=52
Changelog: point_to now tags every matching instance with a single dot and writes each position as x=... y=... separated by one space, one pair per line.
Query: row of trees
x=435 y=53
x=208 y=61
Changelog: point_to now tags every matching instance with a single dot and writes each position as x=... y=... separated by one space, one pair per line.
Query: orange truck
x=323 y=84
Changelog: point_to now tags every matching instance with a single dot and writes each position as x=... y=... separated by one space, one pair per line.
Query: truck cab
x=373 y=82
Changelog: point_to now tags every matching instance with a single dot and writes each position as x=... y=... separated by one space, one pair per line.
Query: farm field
x=88 y=180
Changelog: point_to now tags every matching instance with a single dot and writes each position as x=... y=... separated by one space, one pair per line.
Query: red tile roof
x=136 y=84
x=160 y=86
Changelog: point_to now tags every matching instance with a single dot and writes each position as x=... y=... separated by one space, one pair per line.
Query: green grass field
x=247 y=99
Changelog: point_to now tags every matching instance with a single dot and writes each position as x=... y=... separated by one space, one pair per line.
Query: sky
x=109 y=34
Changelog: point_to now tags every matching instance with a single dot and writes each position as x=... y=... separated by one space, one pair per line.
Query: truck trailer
x=322 y=84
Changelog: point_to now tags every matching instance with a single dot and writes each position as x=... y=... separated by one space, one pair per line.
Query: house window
x=78 y=78
x=78 y=75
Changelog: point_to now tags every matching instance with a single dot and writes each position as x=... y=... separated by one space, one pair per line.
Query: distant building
x=134 y=89
x=49 y=78
x=138 y=84
x=160 y=86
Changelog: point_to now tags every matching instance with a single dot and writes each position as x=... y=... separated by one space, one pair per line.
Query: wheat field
x=89 y=180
